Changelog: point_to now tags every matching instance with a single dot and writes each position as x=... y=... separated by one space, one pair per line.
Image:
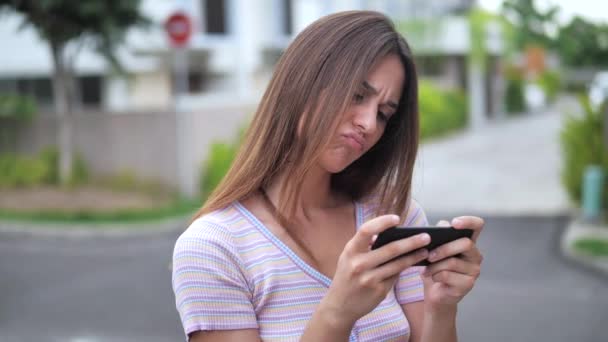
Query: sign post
x=179 y=30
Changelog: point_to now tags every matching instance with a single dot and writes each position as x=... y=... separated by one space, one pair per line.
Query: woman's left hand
x=450 y=277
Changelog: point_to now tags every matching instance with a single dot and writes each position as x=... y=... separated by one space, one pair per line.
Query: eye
x=382 y=116
x=358 y=98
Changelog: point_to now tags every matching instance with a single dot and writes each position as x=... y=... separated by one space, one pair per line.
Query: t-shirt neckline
x=303 y=265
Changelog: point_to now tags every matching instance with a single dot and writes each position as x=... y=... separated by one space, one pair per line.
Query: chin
x=335 y=170
x=337 y=162
x=337 y=167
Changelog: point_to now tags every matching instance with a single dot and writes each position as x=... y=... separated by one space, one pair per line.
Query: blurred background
x=117 y=119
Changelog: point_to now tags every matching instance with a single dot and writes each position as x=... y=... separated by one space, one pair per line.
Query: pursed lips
x=355 y=140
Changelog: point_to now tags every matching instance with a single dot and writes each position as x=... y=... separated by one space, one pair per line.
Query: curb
x=451 y=213
x=578 y=229
x=88 y=230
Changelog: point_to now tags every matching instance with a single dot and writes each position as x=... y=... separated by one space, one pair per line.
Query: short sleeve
x=409 y=287
x=211 y=290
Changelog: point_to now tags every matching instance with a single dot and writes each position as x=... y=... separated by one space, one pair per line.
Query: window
x=196 y=81
x=41 y=89
x=287 y=24
x=90 y=90
x=215 y=16
x=38 y=88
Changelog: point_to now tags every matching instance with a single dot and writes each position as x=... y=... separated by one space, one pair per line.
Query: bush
x=127 y=180
x=124 y=180
x=221 y=155
x=220 y=158
x=515 y=102
x=592 y=247
x=21 y=108
x=18 y=171
x=7 y=162
x=441 y=111
x=29 y=172
x=50 y=157
x=514 y=96
x=582 y=145
x=7 y=165
x=551 y=83
x=80 y=171
x=14 y=111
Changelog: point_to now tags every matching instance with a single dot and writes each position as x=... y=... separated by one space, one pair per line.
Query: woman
x=281 y=249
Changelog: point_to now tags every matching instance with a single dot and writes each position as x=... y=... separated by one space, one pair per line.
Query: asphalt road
x=118 y=289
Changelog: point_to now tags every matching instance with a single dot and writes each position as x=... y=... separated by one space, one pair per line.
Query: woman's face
x=364 y=121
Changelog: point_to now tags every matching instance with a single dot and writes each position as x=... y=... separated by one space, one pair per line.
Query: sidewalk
x=510 y=167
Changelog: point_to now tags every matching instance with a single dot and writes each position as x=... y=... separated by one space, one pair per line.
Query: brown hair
x=316 y=78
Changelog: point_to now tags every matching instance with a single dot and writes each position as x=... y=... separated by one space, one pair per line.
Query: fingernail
x=425 y=237
x=457 y=222
x=396 y=219
x=432 y=256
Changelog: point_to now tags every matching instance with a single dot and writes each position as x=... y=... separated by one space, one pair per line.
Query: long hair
x=313 y=83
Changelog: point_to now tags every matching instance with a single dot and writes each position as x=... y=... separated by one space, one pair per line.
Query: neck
x=316 y=192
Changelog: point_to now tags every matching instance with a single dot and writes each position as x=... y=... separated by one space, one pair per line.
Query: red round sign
x=179 y=28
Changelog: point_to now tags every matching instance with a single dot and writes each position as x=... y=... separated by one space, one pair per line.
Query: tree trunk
x=63 y=111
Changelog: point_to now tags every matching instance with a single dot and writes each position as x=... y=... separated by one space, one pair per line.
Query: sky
x=594 y=10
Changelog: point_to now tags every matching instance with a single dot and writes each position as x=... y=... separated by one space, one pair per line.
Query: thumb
x=443 y=223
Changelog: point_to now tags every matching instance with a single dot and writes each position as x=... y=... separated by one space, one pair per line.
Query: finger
x=360 y=242
x=471 y=222
x=473 y=255
x=395 y=267
x=458 y=284
x=371 y=242
x=443 y=223
x=456 y=265
x=460 y=246
x=397 y=248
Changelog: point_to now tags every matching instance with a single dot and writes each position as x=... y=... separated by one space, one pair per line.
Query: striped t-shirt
x=231 y=272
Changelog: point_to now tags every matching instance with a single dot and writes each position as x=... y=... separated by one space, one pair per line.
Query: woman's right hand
x=362 y=279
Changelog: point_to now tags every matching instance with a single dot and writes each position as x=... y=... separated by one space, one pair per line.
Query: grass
x=179 y=207
x=595 y=247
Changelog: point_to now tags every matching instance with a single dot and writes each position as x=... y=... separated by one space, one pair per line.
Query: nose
x=365 y=118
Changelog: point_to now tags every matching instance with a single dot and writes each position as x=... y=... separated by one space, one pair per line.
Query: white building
x=230 y=56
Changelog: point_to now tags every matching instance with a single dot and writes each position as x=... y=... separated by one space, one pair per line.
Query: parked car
x=598 y=89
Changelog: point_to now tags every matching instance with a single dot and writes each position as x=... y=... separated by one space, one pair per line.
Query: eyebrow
x=374 y=91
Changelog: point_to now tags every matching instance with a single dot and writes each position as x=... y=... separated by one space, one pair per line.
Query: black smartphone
x=439 y=236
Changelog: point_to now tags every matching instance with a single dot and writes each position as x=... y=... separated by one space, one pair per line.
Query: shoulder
x=209 y=245
x=207 y=225
x=215 y=228
x=223 y=221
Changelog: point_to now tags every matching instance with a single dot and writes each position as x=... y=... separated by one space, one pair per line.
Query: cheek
x=377 y=136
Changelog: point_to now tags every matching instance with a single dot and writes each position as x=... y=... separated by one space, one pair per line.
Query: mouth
x=354 y=141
